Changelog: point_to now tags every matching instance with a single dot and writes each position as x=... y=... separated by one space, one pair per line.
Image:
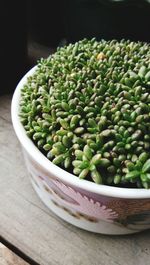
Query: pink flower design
x=67 y=196
x=86 y=205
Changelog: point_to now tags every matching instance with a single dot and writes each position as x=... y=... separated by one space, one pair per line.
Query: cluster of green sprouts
x=87 y=108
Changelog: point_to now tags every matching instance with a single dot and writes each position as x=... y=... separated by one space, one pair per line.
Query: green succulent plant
x=87 y=108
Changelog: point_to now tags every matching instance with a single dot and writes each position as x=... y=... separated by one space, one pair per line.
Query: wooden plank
x=7 y=257
x=32 y=228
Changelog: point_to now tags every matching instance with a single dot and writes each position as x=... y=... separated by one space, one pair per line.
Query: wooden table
x=34 y=232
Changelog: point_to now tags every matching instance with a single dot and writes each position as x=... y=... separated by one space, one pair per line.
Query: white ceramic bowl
x=96 y=208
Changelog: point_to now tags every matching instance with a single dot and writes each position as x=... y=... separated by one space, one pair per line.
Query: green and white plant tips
x=87 y=108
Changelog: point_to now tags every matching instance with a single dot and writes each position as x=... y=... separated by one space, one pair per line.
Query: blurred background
x=33 y=29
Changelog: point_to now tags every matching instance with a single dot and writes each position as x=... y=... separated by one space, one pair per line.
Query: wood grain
x=32 y=228
x=7 y=257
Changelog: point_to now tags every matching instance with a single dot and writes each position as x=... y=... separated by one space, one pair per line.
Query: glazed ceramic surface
x=96 y=208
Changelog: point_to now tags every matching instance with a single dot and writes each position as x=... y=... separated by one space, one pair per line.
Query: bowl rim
x=59 y=173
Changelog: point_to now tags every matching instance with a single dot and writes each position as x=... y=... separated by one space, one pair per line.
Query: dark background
x=33 y=29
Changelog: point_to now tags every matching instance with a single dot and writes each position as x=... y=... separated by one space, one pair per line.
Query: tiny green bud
x=67 y=162
x=136 y=135
x=64 y=123
x=106 y=133
x=77 y=171
x=87 y=152
x=79 y=130
x=104 y=162
x=47 y=147
x=146 y=166
x=132 y=174
x=37 y=136
x=143 y=157
x=142 y=71
x=66 y=141
x=117 y=179
x=74 y=121
x=96 y=159
x=78 y=154
x=147 y=76
x=61 y=132
x=96 y=176
x=65 y=106
x=84 y=173
x=58 y=159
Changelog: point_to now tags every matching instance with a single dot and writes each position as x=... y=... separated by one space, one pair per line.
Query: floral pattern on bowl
x=128 y=215
x=83 y=204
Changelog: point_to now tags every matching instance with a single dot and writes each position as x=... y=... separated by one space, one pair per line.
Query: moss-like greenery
x=87 y=108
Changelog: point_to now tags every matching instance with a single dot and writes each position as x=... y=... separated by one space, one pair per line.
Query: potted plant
x=82 y=117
